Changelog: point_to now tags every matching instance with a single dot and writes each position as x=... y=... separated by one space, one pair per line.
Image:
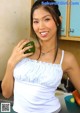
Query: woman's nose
x=41 y=25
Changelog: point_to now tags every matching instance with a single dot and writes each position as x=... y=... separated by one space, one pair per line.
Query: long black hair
x=52 y=7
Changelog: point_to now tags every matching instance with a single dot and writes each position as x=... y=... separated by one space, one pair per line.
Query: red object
x=76 y=96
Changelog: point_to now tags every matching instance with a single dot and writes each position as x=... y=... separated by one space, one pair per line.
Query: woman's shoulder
x=69 y=57
x=69 y=60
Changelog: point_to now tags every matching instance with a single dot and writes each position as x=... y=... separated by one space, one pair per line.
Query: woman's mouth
x=44 y=34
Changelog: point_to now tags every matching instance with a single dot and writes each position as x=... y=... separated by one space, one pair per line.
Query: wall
x=14 y=26
x=72 y=46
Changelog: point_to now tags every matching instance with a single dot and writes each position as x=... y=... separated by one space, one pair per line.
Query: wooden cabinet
x=63 y=9
x=75 y=20
x=70 y=11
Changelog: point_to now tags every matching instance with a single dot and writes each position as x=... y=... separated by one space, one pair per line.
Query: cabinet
x=70 y=11
x=63 y=9
x=75 y=20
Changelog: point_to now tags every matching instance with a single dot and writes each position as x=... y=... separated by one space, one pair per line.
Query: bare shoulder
x=69 y=61
x=69 y=57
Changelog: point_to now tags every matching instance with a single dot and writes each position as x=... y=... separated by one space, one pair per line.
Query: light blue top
x=35 y=85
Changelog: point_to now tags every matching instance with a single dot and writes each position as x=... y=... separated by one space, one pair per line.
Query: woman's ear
x=60 y=17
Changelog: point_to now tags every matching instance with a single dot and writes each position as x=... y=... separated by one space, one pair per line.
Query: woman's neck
x=47 y=45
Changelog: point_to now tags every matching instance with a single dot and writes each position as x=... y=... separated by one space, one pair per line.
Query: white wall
x=14 y=26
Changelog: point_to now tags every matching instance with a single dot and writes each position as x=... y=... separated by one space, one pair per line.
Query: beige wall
x=14 y=26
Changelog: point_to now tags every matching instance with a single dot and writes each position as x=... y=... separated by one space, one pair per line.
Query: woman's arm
x=8 y=81
x=17 y=55
x=73 y=70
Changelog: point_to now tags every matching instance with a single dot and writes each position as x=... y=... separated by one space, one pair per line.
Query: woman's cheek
x=35 y=28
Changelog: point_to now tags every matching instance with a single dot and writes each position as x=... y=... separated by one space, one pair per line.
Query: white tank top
x=35 y=84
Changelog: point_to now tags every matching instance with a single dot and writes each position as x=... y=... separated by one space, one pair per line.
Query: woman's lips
x=44 y=34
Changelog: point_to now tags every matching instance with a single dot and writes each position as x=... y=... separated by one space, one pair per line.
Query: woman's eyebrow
x=34 y=18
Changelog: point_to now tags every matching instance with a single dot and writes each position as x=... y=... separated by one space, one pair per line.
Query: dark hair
x=52 y=7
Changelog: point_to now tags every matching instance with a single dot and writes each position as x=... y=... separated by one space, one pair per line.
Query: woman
x=33 y=78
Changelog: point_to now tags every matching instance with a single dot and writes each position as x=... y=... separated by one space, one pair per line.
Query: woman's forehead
x=40 y=12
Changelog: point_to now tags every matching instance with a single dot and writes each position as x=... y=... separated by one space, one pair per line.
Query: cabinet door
x=63 y=9
x=75 y=18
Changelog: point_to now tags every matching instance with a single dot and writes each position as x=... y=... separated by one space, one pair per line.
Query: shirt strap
x=62 y=57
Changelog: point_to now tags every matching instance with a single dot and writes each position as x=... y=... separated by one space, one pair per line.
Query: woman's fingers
x=27 y=55
x=19 y=52
x=22 y=42
x=26 y=48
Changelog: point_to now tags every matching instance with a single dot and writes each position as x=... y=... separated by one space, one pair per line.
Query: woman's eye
x=47 y=19
x=35 y=22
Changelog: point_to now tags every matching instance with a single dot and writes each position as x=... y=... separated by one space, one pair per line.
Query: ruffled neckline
x=42 y=62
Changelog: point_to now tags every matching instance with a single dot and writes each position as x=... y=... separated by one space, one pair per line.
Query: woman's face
x=43 y=24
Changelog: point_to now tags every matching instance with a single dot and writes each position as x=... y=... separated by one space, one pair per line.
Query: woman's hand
x=18 y=52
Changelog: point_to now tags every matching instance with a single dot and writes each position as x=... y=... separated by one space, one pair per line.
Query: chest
x=38 y=72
